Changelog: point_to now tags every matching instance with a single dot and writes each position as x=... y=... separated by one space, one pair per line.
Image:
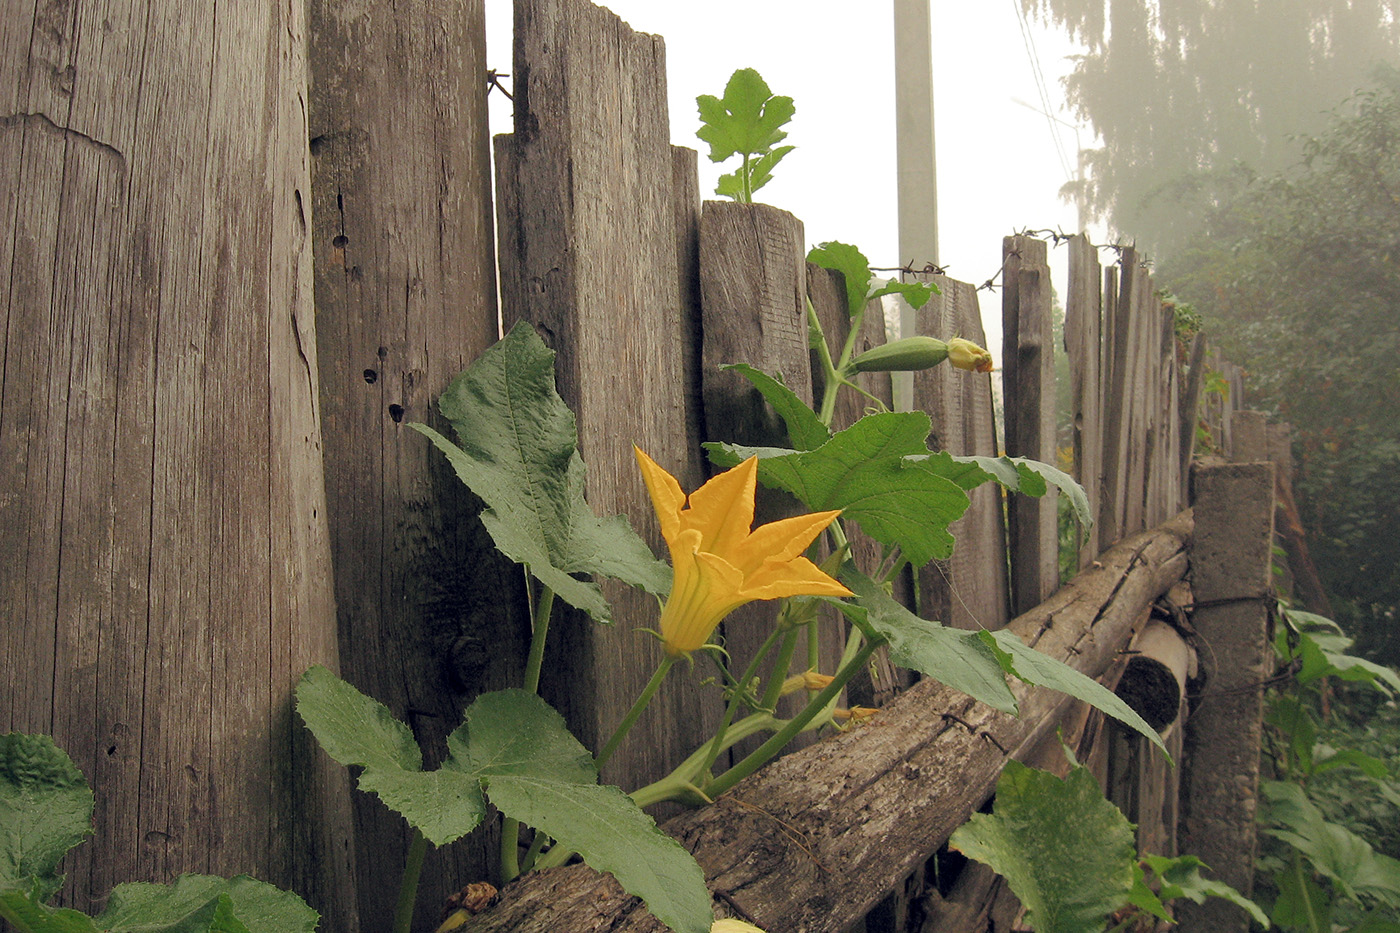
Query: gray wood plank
x=1084 y=344
x=1028 y=382
x=160 y=420
x=968 y=590
x=429 y=613
x=589 y=255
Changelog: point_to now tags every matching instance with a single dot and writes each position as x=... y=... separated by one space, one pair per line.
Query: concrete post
x=1230 y=579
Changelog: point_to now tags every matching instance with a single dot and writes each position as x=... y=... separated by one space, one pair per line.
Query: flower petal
x=666 y=496
x=706 y=589
x=722 y=509
x=784 y=539
x=795 y=577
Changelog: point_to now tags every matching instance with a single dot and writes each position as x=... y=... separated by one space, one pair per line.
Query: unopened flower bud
x=964 y=354
x=905 y=355
x=854 y=713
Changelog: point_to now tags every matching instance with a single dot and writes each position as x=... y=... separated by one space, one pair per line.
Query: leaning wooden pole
x=817 y=838
x=162 y=519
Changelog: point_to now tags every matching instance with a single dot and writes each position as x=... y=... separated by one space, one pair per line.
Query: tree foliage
x=1299 y=279
x=1187 y=93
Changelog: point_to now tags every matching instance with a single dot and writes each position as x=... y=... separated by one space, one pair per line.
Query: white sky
x=998 y=168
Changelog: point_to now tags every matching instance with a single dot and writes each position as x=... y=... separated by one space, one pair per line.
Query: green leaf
x=354 y=729
x=1017 y=474
x=359 y=731
x=867 y=472
x=1325 y=758
x=747 y=121
x=761 y=169
x=958 y=658
x=805 y=429
x=205 y=904
x=1181 y=877
x=1333 y=850
x=26 y=910
x=613 y=834
x=519 y=454
x=514 y=732
x=45 y=810
x=1036 y=668
x=535 y=771
x=1302 y=903
x=916 y=294
x=1066 y=852
x=852 y=264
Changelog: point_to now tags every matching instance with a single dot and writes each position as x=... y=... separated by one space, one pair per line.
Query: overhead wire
x=1038 y=74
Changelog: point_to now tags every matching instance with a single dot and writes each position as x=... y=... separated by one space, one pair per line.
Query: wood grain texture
x=429 y=613
x=163 y=521
x=753 y=286
x=1028 y=363
x=1084 y=345
x=590 y=256
x=813 y=841
x=970 y=589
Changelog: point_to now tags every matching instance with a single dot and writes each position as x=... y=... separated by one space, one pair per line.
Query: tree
x=1188 y=93
x=1299 y=279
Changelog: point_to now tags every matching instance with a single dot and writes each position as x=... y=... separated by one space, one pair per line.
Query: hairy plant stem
x=408 y=887
x=779 y=672
x=716 y=745
x=540 y=612
x=636 y=711
x=543 y=607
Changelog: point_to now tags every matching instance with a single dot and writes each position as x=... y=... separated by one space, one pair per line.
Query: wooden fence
x=168 y=549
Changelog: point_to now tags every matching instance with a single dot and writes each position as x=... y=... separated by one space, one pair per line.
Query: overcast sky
x=998 y=166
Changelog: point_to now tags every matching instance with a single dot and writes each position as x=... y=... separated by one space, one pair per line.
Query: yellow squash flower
x=733 y=926
x=720 y=561
x=964 y=354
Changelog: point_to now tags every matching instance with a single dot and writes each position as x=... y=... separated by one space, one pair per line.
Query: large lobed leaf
x=748 y=120
x=1016 y=474
x=517 y=749
x=1334 y=851
x=958 y=658
x=45 y=810
x=1066 y=852
x=518 y=452
x=860 y=288
x=866 y=472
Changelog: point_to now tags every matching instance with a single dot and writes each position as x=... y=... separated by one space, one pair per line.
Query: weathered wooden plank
x=1084 y=346
x=753 y=286
x=589 y=255
x=813 y=841
x=1141 y=329
x=1116 y=400
x=1028 y=380
x=160 y=421
x=970 y=589
x=430 y=615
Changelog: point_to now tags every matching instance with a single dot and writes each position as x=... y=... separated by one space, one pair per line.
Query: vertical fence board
x=160 y=421
x=1083 y=343
x=1028 y=362
x=970 y=589
x=429 y=613
x=590 y=256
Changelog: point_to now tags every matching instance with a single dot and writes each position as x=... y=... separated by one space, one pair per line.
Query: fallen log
x=813 y=841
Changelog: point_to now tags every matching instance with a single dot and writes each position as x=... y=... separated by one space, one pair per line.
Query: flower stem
x=544 y=606
x=632 y=714
x=779 y=740
x=408 y=887
x=717 y=744
x=780 y=670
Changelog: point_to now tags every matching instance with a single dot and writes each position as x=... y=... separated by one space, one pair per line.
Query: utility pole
x=913 y=91
x=917 y=176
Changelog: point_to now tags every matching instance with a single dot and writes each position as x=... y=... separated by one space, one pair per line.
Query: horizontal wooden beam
x=814 y=840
